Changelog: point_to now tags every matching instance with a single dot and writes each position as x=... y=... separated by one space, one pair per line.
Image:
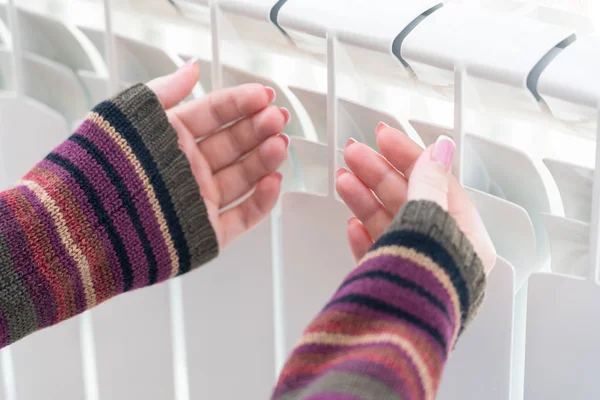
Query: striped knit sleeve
x=112 y=209
x=388 y=330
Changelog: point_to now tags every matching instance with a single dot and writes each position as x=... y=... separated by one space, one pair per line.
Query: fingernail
x=380 y=126
x=270 y=93
x=340 y=171
x=350 y=220
x=286 y=138
x=279 y=176
x=350 y=141
x=443 y=151
x=286 y=114
x=191 y=61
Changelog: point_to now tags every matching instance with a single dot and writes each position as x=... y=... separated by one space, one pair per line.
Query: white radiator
x=515 y=83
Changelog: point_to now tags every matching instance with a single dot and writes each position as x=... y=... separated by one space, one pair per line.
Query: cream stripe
x=122 y=143
x=70 y=245
x=431 y=266
x=348 y=340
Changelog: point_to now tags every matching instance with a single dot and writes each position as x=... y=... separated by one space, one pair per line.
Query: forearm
x=112 y=209
x=388 y=330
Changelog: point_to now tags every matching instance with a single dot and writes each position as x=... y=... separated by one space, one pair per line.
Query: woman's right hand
x=378 y=185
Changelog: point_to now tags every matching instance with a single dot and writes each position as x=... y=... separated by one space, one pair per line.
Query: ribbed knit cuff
x=428 y=218
x=142 y=108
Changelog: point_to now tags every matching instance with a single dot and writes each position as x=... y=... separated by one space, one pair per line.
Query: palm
x=376 y=186
x=231 y=139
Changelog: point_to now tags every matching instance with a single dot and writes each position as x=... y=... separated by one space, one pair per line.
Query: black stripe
x=403 y=283
x=117 y=182
x=384 y=307
x=113 y=115
x=101 y=214
x=434 y=250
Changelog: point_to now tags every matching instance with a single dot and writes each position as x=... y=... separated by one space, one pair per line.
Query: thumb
x=172 y=89
x=430 y=175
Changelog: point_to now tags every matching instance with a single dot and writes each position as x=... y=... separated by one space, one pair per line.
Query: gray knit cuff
x=142 y=108
x=428 y=218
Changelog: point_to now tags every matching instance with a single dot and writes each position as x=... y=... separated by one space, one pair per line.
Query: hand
x=232 y=123
x=378 y=186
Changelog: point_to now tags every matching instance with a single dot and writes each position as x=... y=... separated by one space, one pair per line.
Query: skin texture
x=377 y=185
x=232 y=139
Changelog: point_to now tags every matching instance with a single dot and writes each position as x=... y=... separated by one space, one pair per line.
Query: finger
x=206 y=115
x=402 y=153
x=400 y=150
x=358 y=238
x=377 y=174
x=174 y=88
x=362 y=202
x=242 y=218
x=226 y=147
x=429 y=179
x=242 y=176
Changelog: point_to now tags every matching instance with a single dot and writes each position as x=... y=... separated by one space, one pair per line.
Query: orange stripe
x=346 y=323
x=67 y=240
x=358 y=327
x=81 y=229
x=45 y=260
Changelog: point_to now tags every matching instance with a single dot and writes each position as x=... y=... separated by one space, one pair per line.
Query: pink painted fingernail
x=286 y=115
x=350 y=142
x=351 y=220
x=380 y=126
x=285 y=138
x=443 y=151
x=340 y=171
x=270 y=93
x=279 y=176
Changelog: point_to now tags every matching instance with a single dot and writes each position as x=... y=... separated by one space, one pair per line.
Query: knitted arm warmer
x=388 y=330
x=112 y=209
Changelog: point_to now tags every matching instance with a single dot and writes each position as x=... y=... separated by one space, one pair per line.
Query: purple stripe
x=410 y=270
x=114 y=207
x=82 y=200
x=135 y=186
x=59 y=250
x=401 y=298
x=39 y=289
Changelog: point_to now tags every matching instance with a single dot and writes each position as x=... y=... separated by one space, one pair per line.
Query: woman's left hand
x=241 y=148
x=378 y=185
